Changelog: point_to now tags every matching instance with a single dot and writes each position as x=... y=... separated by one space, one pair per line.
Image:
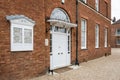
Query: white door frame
x=61 y=15
x=68 y=52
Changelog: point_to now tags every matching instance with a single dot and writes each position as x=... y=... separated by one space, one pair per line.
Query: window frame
x=21 y=46
x=117 y=41
x=97 y=30
x=85 y=34
x=84 y=1
x=117 y=33
x=22 y=24
x=106 y=37
x=97 y=5
x=62 y=1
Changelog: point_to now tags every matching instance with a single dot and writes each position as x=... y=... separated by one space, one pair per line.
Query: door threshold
x=59 y=70
x=62 y=70
x=74 y=66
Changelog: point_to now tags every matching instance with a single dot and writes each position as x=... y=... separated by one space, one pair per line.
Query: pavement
x=104 y=68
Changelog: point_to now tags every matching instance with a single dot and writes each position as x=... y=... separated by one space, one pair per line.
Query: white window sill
x=83 y=48
x=97 y=47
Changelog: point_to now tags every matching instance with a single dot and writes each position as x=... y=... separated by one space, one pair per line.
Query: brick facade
x=94 y=18
x=114 y=37
x=19 y=65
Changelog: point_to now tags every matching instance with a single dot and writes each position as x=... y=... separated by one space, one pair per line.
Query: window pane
x=63 y=1
x=105 y=37
x=97 y=5
x=60 y=29
x=97 y=36
x=118 y=41
x=83 y=24
x=17 y=35
x=85 y=1
x=118 y=31
x=27 y=36
x=83 y=33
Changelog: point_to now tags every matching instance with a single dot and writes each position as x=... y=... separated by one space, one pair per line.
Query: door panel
x=59 y=50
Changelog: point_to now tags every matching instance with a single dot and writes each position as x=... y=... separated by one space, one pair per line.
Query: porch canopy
x=61 y=23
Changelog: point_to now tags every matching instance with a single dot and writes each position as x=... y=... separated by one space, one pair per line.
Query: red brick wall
x=113 y=37
x=102 y=7
x=103 y=10
x=17 y=65
x=92 y=18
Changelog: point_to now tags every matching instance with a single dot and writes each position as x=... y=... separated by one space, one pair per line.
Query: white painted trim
x=61 y=23
x=84 y=47
x=97 y=36
x=94 y=11
x=84 y=1
x=106 y=38
x=97 y=5
x=21 y=46
x=63 y=1
x=23 y=22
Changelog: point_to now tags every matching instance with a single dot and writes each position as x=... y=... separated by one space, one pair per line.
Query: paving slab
x=104 y=68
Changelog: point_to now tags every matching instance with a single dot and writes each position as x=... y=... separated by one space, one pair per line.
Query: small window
x=17 y=35
x=21 y=33
x=118 y=41
x=83 y=34
x=84 y=1
x=97 y=36
x=60 y=29
x=28 y=33
x=97 y=5
x=118 y=32
x=63 y=1
x=106 y=37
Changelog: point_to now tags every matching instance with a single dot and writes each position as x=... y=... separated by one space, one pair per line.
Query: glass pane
x=105 y=37
x=17 y=35
x=83 y=33
x=83 y=39
x=60 y=29
x=83 y=25
x=118 y=41
x=97 y=36
x=59 y=15
x=27 y=36
x=118 y=31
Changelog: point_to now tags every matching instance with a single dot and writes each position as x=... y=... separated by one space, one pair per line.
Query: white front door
x=60 y=55
x=60 y=51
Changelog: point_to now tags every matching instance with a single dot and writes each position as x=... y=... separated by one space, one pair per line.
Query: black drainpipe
x=76 y=62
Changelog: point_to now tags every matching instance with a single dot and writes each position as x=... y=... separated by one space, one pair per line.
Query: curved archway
x=59 y=14
x=60 y=18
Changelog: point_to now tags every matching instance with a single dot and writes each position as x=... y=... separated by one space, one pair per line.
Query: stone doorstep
x=64 y=69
